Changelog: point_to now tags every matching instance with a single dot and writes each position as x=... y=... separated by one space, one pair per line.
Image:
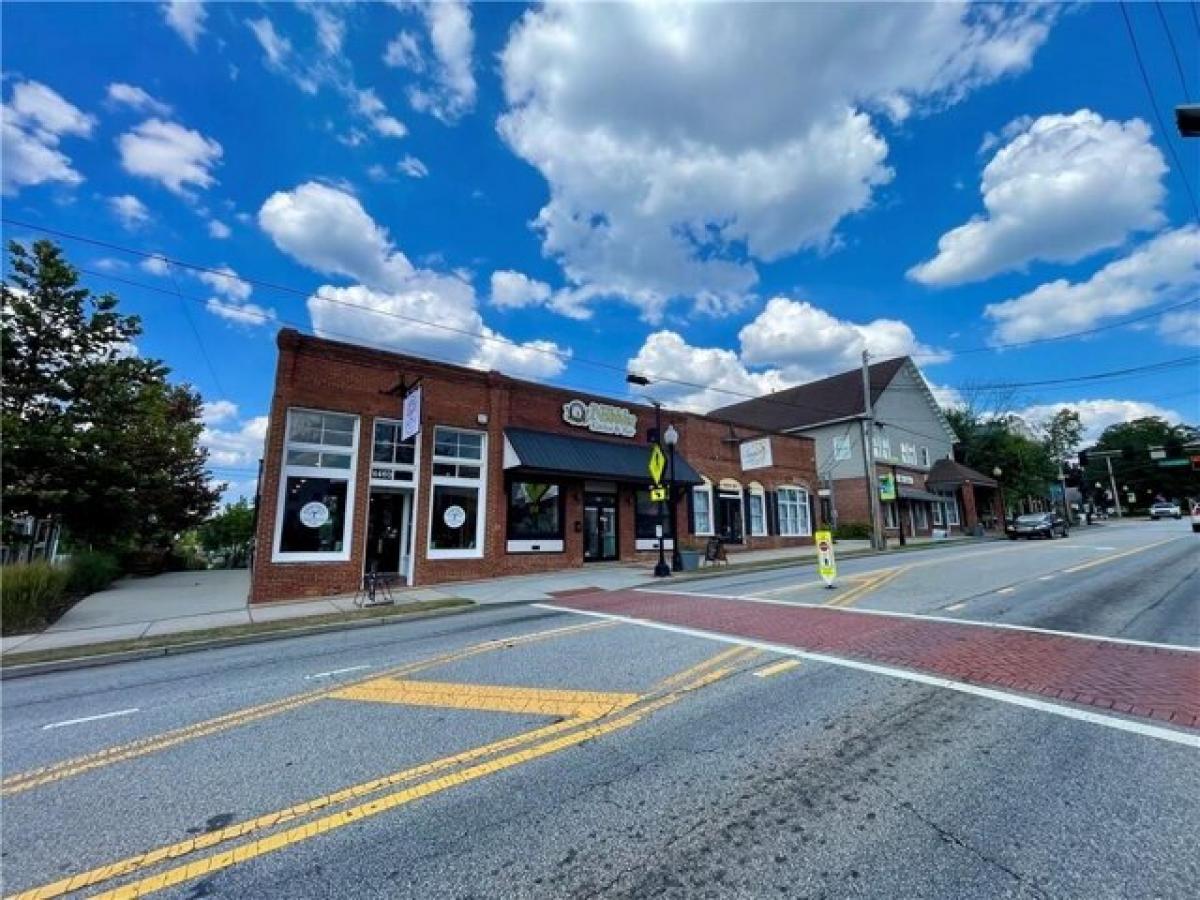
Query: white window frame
x=919 y=522
x=790 y=495
x=841 y=448
x=707 y=490
x=348 y=475
x=952 y=516
x=908 y=453
x=395 y=467
x=891 y=516
x=925 y=457
x=757 y=495
x=937 y=514
x=436 y=481
x=881 y=446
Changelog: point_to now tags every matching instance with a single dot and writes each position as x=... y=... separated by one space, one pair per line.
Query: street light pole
x=997 y=472
x=672 y=438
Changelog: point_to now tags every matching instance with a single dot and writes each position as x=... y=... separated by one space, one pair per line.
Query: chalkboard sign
x=715 y=551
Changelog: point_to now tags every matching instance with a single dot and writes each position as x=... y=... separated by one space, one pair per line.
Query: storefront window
x=534 y=510
x=758 y=511
x=314 y=516
x=317 y=488
x=457 y=510
x=702 y=509
x=391 y=458
x=793 y=512
x=646 y=519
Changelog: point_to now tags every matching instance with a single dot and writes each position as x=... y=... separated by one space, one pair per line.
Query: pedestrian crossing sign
x=658 y=494
x=658 y=462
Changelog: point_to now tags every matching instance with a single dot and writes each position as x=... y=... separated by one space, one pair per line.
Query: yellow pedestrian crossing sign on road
x=658 y=462
x=826 y=563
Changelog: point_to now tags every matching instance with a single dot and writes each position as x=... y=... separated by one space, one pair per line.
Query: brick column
x=970 y=516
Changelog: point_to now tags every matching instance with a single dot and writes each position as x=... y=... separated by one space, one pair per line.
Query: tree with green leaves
x=1027 y=466
x=1064 y=433
x=94 y=435
x=230 y=531
x=1136 y=470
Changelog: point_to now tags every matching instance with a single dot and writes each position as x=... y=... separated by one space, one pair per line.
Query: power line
x=196 y=333
x=1162 y=128
x=1162 y=17
x=1095 y=376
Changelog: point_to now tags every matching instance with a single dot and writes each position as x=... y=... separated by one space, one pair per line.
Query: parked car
x=1165 y=509
x=1196 y=517
x=1045 y=525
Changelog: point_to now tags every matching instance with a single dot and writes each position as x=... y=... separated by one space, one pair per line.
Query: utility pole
x=1112 y=483
x=868 y=432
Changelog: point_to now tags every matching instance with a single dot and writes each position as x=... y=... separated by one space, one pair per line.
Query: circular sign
x=314 y=514
x=824 y=546
x=454 y=516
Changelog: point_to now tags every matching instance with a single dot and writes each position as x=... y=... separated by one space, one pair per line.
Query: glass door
x=599 y=527
x=388 y=532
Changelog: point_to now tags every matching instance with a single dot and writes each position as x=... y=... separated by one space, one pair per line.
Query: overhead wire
x=1162 y=128
x=1162 y=17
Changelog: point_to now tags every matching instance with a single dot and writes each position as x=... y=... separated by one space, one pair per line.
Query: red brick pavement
x=1149 y=682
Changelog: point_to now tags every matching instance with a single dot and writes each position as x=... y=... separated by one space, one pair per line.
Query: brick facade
x=327 y=376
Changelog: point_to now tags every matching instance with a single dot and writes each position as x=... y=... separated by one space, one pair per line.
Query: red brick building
x=503 y=477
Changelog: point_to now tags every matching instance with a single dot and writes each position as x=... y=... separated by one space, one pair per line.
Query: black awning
x=562 y=454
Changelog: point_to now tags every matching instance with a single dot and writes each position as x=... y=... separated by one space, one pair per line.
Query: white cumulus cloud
x=171 y=154
x=451 y=93
x=513 y=290
x=412 y=167
x=1096 y=415
x=131 y=211
x=677 y=155
x=1062 y=188
x=35 y=119
x=186 y=19
x=395 y=305
x=1182 y=326
x=134 y=97
x=1164 y=268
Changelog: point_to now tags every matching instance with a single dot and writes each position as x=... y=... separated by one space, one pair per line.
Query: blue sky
x=740 y=197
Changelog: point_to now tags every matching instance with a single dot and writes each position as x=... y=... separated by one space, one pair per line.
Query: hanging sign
x=600 y=418
x=314 y=514
x=756 y=454
x=826 y=564
x=410 y=422
x=887 y=487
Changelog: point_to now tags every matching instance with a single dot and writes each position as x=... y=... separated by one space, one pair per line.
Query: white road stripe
x=108 y=715
x=1067 y=712
x=1045 y=578
x=1007 y=590
x=955 y=608
x=859 y=611
x=336 y=672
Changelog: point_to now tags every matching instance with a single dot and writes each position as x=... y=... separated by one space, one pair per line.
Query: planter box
x=690 y=559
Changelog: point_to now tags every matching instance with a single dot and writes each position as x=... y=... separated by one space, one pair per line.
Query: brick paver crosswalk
x=1150 y=682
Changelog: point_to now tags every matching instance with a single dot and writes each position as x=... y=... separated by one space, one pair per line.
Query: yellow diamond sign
x=657 y=463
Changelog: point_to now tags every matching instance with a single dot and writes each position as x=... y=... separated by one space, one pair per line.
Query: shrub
x=31 y=594
x=92 y=571
x=852 y=531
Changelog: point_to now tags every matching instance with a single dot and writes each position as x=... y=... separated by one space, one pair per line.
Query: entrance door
x=599 y=527
x=729 y=518
x=389 y=526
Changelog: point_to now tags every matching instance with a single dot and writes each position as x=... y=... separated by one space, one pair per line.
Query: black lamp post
x=997 y=472
x=671 y=438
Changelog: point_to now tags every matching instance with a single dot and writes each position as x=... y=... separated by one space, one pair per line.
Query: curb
x=104 y=659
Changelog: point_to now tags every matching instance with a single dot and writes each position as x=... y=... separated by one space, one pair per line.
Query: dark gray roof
x=836 y=397
x=948 y=473
x=563 y=454
x=915 y=493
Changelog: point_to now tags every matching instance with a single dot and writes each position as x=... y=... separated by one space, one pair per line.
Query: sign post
x=826 y=564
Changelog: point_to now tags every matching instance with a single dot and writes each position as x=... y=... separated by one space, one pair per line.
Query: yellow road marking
x=853 y=596
x=489 y=697
x=23 y=781
x=1107 y=559
x=778 y=668
x=586 y=730
x=725 y=656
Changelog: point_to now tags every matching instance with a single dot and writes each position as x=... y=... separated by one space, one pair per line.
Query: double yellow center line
x=462 y=768
x=873 y=583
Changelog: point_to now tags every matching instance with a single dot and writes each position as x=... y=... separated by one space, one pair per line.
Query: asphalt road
x=526 y=752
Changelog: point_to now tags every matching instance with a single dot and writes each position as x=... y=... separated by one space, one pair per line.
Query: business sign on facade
x=756 y=454
x=600 y=418
x=887 y=487
x=410 y=423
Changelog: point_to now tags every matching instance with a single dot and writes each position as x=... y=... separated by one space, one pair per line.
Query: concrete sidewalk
x=182 y=602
